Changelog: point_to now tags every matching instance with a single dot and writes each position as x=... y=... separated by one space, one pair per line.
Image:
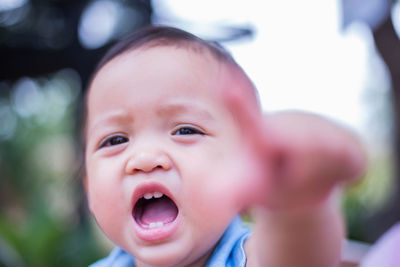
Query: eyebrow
x=117 y=117
x=172 y=109
x=165 y=110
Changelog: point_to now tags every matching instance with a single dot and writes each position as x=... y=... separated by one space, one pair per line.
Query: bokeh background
x=337 y=58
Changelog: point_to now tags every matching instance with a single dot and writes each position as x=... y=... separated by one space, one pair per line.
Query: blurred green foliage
x=364 y=200
x=43 y=219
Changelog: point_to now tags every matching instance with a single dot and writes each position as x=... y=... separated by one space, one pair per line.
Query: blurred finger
x=247 y=113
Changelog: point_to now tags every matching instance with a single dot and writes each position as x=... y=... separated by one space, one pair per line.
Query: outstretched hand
x=293 y=159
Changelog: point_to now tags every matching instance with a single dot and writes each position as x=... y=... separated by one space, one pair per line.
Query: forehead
x=160 y=72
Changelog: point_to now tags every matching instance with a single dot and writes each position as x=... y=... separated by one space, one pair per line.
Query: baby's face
x=159 y=139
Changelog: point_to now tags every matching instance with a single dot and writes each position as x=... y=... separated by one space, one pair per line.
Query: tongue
x=159 y=210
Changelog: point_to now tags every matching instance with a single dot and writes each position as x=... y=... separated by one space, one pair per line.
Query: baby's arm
x=301 y=159
x=300 y=223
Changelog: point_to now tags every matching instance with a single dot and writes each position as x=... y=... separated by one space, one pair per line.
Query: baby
x=176 y=146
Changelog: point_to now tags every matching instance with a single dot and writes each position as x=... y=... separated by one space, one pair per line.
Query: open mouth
x=154 y=210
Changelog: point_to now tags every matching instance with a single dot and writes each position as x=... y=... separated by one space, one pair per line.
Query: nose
x=148 y=160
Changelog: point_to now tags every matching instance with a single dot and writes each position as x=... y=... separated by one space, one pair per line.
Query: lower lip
x=156 y=233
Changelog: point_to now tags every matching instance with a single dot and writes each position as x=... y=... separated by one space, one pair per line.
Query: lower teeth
x=156 y=224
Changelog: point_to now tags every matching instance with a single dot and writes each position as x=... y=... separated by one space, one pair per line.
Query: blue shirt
x=228 y=253
x=386 y=251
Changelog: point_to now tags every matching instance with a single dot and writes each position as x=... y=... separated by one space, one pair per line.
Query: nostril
x=148 y=169
x=147 y=162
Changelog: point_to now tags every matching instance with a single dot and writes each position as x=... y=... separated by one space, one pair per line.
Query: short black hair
x=164 y=36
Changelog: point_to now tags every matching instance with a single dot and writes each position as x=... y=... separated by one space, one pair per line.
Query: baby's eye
x=187 y=131
x=114 y=141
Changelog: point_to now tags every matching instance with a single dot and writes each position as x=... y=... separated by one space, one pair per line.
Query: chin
x=164 y=256
x=177 y=253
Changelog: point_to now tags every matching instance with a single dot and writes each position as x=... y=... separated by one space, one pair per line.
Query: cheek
x=105 y=196
x=209 y=183
x=218 y=177
x=106 y=204
x=103 y=180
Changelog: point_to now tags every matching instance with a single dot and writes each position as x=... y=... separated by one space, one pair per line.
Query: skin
x=146 y=102
x=148 y=97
